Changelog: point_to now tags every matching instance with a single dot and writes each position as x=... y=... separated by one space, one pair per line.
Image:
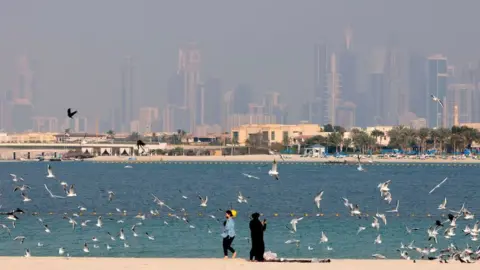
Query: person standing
x=257 y=228
x=228 y=235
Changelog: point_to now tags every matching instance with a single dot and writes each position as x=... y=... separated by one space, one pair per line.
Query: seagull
x=274 y=171
x=409 y=231
x=436 y=99
x=84 y=223
x=99 y=222
x=47 y=230
x=437 y=186
x=378 y=240
x=360 y=229
x=128 y=167
x=241 y=198
x=160 y=202
x=14 y=178
x=133 y=231
x=111 y=194
x=121 y=235
x=61 y=251
x=51 y=194
x=20 y=238
x=203 y=202
x=81 y=208
x=250 y=176
x=375 y=224
x=382 y=216
x=383 y=187
x=85 y=248
x=183 y=196
x=21 y=188
x=318 y=198
x=378 y=256
x=324 y=238
x=108 y=246
x=388 y=197
x=150 y=237
x=140 y=216
x=432 y=234
x=443 y=205
x=70 y=114
x=396 y=208
x=25 y=198
x=27 y=253
x=5 y=227
x=294 y=222
x=50 y=172
x=71 y=192
x=111 y=237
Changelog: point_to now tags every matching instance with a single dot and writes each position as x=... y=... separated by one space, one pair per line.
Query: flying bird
x=436 y=99
x=274 y=171
x=50 y=172
x=70 y=113
x=140 y=144
x=437 y=186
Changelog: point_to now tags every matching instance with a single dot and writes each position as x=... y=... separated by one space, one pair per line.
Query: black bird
x=438 y=223
x=141 y=144
x=70 y=113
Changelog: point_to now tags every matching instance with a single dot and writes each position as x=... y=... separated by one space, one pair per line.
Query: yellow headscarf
x=234 y=213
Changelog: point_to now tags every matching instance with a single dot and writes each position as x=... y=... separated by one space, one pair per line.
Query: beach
x=270 y=158
x=54 y=263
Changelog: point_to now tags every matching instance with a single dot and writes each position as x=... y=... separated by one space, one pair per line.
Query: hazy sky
x=78 y=46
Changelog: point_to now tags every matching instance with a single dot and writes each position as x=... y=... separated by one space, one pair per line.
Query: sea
x=279 y=201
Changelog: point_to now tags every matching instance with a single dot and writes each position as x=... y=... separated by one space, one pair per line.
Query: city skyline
x=398 y=100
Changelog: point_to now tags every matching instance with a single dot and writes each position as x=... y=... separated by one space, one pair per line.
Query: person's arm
x=264 y=223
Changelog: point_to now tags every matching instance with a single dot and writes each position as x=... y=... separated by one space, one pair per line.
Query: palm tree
x=423 y=135
x=347 y=143
x=111 y=134
x=335 y=139
x=444 y=135
x=377 y=134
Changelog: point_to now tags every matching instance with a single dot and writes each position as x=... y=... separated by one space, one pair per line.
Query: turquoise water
x=292 y=195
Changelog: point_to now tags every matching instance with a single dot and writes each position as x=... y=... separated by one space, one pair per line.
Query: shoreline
x=264 y=159
x=44 y=263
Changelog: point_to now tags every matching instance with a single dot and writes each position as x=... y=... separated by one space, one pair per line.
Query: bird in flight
x=140 y=144
x=70 y=113
x=436 y=99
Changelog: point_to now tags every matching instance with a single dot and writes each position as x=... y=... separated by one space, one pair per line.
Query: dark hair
x=229 y=213
x=255 y=215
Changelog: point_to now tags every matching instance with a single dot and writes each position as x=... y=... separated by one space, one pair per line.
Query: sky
x=77 y=47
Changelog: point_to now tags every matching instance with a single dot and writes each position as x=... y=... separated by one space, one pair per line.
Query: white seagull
x=85 y=248
x=241 y=198
x=324 y=238
x=203 y=202
x=274 y=171
x=50 y=172
x=294 y=222
x=378 y=240
x=318 y=198
x=99 y=222
x=14 y=178
x=396 y=208
x=51 y=194
x=71 y=192
x=437 y=186
x=443 y=205
x=436 y=99
x=25 y=198
x=250 y=176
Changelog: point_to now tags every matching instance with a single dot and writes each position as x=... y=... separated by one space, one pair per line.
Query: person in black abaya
x=257 y=228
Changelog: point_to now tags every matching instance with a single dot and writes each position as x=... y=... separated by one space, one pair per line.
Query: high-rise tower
x=189 y=60
x=332 y=93
x=126 y=108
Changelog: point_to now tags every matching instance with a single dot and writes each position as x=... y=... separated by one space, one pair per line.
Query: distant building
x=346 y=115
x=273 y=133
x=332 y=93
x=127 y=94
x=148 y=118
x=418 y=123
x=236 y=120
x=45 y=124
x=462 y=96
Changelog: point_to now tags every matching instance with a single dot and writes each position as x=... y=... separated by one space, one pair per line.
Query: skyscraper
x=21 y=107
x=126 y=107
x=189 y=63
x=213 y=101
x=332 y=93
x=462 y=97
x=320 y=70
x=436 y=85
x=348 y=70
x=417 y=84
x=242 y=96
x=175 y=89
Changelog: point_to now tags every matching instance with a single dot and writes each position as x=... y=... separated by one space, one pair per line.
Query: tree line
x=444 y=140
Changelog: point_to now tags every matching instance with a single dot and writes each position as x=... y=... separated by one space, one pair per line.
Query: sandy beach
x=51 y=263
x=269 y=158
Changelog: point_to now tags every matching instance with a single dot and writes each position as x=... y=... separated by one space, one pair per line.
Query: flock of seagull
x=446 y=228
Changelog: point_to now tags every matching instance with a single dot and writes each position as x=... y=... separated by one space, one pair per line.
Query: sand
x=269 y=158
x=51 y=263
